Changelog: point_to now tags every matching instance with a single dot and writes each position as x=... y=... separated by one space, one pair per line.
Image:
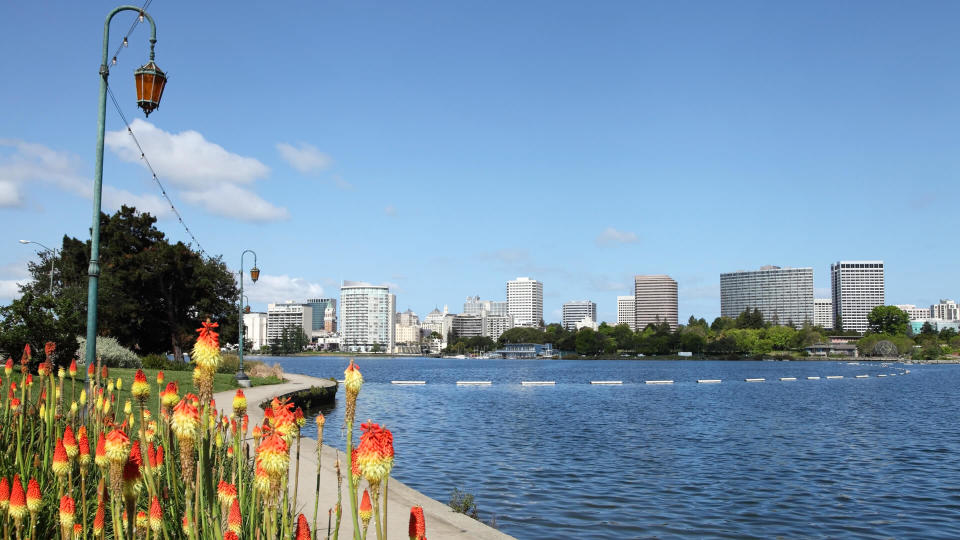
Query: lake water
x=866 y=458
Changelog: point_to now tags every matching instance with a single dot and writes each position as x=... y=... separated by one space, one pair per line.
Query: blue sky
x=446 y=147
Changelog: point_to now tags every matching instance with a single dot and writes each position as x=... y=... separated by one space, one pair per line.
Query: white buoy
x=341 y=381
x=882 y=375
x=606 y=382
x=709 y=381
x=788 y=378
x=537 y=383
x=474 y=383
x=813 y=378
x=409 y=383
x=754 y=380
x=863 y=376
x=834 y=376
x=906 y=371
x=660 y=382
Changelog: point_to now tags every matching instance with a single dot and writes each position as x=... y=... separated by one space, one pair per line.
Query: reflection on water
x=869 y=457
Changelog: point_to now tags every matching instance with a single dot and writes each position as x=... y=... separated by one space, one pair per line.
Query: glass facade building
x=783 y=295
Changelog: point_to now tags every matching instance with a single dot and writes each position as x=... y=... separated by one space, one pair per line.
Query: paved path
x=442 y=522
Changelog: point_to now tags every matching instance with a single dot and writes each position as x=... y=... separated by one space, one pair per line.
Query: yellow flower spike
x=219 y=440
x=62 y=373
x=106 y=407
x=127 y=407
x=99 y=403
x=43 y=411
x=110 y=387
x=119 y=383
x=83 y=397
x=132 y=420
x=74 y=407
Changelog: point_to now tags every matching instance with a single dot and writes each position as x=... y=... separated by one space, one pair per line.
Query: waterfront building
x=937 y=324
x=467 y=326
x=320 y=306
x=526 y=351
x=578 y=310
x=915 y=313
x=627 y=311
x=255 y=329
x=783 y=295
x=494 y=325
x=288 y=315
x=438 y=321
x=525 y=301
x=475 y=306
x=823 y=312
x=367 y=317
x=857 y=288
x=947 y=310
x=330 y=319
x=655 y=301
x=587 y=322
x=407 y=329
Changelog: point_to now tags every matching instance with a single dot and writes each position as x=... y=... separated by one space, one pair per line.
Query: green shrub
x=112 y=353
x=463 y=503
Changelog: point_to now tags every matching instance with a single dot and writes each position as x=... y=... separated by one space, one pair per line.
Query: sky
x=445 y=148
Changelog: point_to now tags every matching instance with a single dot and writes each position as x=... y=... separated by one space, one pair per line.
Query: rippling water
x=866 y=458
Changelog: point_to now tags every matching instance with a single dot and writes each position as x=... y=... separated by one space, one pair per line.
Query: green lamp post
x=242 y=378
x=150 y=83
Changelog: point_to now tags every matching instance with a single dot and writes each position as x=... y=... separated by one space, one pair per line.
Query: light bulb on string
x=114 y=61
x=125 y=44
x=141 y=16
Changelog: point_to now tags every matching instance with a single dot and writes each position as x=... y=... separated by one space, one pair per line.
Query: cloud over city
x=278 y=288
x=611 y=236
x=304 y=157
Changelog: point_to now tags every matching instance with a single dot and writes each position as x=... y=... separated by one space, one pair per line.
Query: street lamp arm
x=106 y=34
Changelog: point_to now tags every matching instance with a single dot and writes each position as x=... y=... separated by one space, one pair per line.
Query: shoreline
x=441 y=520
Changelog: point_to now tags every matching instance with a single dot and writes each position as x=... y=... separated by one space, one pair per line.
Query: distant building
x=823 y=312
x=915 y=313
x=525 y=301
x=367 y=317
x=475 y=306
x=286 y=315
x=255 y=329
x=587 y=322
x=407 y=329
x=833 y=349
x=495 y=325
x=525 y=350
x=627 y=311
x=936 y=324
x=467 y=326
x=655 y=301
x=783 y=295
x=578 y=310
x=330 y=319
x=857 y=287
x=440 y=322
x=320 y=306
x=947 y=310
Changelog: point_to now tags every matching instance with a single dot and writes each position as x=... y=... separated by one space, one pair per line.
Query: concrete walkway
x=442 y=522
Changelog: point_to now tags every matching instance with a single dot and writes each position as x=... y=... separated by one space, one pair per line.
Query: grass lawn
x=184 y=379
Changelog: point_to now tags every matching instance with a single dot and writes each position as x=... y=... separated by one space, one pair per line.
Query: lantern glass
x=254 y=274
x=150 y=84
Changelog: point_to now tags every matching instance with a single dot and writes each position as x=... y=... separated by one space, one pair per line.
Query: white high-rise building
x=578 y=310
x=915 y=313
x=627 y=311
x=655 y=301
x=367 y=317
x=947 y=310
x=494 y=325
x=525 y=301
x=783 y=295
x=286 y=315
x=475 y=306
x=823 y=312
x=255 y=329
x=857 y=287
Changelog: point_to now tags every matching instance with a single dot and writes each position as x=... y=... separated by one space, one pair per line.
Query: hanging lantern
x=150 y=82
x=254 y=274
x=246 y=309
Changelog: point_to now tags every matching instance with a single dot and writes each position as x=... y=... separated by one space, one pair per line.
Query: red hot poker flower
x=49 y=348
x=156 y=515
x=34 y=497
x=73 y=368
x=235 y=521
x=4 y=494
x=61 y=463
x=303 y=530
x=418 y=527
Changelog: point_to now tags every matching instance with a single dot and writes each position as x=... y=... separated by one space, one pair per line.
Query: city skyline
x=690 y=111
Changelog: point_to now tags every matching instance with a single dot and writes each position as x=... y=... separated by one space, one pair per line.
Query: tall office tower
x=320 y=306
x=947 y=310
x=578 y=310
x=330 y=319
x=367 y=318
x=475 y=306
x=525 y=301
x=915 y=313
x=783 y=295
x=255 y=329
x=655 y=300
x=857 y=288
x=286 y=315
x=823 y=312
x=627 y=311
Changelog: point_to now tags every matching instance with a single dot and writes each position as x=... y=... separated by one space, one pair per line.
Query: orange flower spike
x=98 y=519
x=156 y=515
x=299 y=418
x=8 y=367
x=235 y=520
x=117 y=446
x=91 y=370
x=34 y=497
x=14 y=404
x=159 y=378
x=141 y=521
x=206 y=351
x=29 y=380
x=366 y=509
x=61 y=463
x=104 y=373
x=159 y=457
x=131 y=469
x=25 y=358
x=170 y=397
x=49 y=348
x=18 y=500
x=375 y=452
x=418 y=527
x=303 y=530
x=70 y=442
x=186 y=420
x=100 y=457
x=140 y=389
x=226 y=493
x=239 y=403
x=274 y=455
x=230 y=535
x=77 y=531
x=67 y=511
x=73 y=368
x=261 y=479
x=84 y=448
x=4 y=494
x=245 y=424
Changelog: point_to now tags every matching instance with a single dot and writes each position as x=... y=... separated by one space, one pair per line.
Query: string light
x=141 y=16
x=125 y=44
x=114 y=61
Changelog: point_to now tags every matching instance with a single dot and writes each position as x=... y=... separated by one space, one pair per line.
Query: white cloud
x=613 y=236
x=10 y=288
x=275 y=289
x=9 y=194
x=236 y=202
x=390 y=210
x=304 y=157
x=341 y=183
x=14 y=275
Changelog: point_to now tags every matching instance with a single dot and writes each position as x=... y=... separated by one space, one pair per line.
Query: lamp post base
x=243 y=380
